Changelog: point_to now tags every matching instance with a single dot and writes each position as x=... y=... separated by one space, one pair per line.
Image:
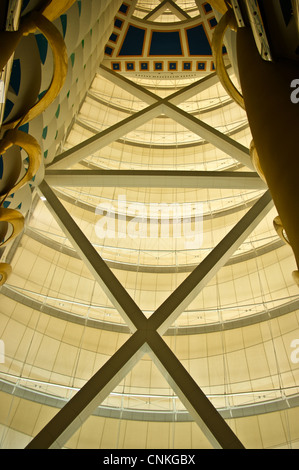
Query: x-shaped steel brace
x=146 y=333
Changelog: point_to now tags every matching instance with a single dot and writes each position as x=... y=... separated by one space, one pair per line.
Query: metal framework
x=147 y=334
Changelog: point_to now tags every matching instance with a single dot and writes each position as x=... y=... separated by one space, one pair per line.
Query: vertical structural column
x=274 y=122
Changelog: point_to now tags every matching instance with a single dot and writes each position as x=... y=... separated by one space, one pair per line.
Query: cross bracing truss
x=146 y=333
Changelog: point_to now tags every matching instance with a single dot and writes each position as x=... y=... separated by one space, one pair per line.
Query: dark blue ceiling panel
x=198 y=42
x=207 y=7
x=166 y=43
x=133 y=42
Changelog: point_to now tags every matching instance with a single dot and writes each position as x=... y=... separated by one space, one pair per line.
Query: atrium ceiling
x=149 y=278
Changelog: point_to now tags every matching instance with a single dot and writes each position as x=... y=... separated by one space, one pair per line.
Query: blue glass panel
x=166 y=43
x=133 y=43
x=198 y=41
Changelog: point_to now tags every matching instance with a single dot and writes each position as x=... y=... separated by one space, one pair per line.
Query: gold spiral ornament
x=33 y=22
x=220 y=5
x=15 y=219
x=57 y=8
x=31 y=147
x=227 y=21
x=41 y=21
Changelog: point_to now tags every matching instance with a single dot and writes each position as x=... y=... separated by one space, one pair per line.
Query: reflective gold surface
x=31 y=147
x=256 y=161
x=56 y=8
x=16 y=219
x=57 y=44
x=296 y=277
x=227 y=20
x=280 y=230
x=5 y=271
x=273 y=120
x=219 y=5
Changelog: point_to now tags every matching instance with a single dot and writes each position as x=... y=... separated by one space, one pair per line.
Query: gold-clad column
x=219 y=5
x=274 y=123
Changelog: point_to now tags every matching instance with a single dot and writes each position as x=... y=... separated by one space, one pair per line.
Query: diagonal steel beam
x=149 y=97
x=169 y=106
x=147 y=337
x=216 y=138
x=181 y=14
x=186 y=292
x=116 y=293
x=64 y=424
x=136 y=90
x=60 y=428
x=56 y=433
x=157 y=106
x=193 y=89
x=154 y=179
x=196 y=402
x=102 y=139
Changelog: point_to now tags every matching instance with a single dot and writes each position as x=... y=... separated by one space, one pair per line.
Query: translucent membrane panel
x=21 y=420
x=228 y=119
x=47 y=360
x=208 y=100
x=139 y=14
x=249 y=369
x=145 y=6
x=277 y=430
x=128 y=155
x=240 y=301
x=158 y=135
x=187 y=4
x=57 y=279
x=108 y=433
x=43 y=220
x=53 y=354
x=49 y=271
x=167 y=17
x=214 y=107
x=141 y=412
x=77 y=135
x=130 y=202
x=11 y=439
x=147 y=223
x=162 y=132
x=97 y=117
x=161 y=87
x=133 y=262
x=103 y=92
x=256 y=281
